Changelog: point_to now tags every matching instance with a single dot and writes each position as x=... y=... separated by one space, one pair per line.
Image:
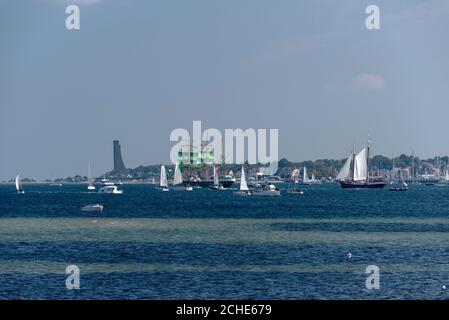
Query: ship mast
x=367 y=159
x=353 y=164
x=222 y=157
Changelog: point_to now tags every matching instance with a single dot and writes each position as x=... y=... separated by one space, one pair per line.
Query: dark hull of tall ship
x=362 y=185
x=226 y=183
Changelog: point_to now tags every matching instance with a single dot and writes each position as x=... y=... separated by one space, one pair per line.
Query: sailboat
x=402 y=187
x=216 y=185
x=19 y=185
x=358 y=177
x=163 y=180
x=314 y=180
x=305 y=179
x=395 y=186
x=90 y=185
x=244 y=190
x=177 y=178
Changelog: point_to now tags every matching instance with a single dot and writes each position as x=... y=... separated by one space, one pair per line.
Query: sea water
x=213 y=244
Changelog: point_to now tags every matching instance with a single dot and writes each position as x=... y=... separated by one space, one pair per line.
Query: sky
x=136 y=70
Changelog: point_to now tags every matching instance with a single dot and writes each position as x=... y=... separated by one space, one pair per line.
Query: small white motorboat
x=92 y=208
x=268 y=190
x=295 y=191
x=110 y=189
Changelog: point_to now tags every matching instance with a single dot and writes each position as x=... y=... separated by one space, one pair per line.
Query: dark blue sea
x=209 y=244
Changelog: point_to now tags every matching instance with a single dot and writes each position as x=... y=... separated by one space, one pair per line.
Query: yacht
x=267 y=190
x=216 y=185
x=107 y=182
x=402 y=187
x=92 y=208
x=110 y=189
x=395 y=185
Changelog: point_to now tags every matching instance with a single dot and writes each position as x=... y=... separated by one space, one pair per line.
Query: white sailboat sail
x=243 y=184
x=360 y=166
x=90 y=185
x=18 y=183
x=216 y=183
x=306 y=177
x=345 y=170
x=177 y=179
x=313 y=178
x=446 y=177
x=163 y=179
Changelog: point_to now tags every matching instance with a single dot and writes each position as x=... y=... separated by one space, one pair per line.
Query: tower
x=119 y=166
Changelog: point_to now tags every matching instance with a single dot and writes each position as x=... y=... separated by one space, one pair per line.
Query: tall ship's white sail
x=163 y=179
x=243 y=184
x=345 y=171
x=177 y=178
x=361 y=166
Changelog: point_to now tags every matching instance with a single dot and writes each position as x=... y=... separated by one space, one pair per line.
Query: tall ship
x=195 y=165
x=355 y=174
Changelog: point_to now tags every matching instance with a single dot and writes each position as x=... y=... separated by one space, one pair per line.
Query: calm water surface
x=210 y=244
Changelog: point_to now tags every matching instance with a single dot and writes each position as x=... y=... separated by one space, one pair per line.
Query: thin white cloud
x=367 y=81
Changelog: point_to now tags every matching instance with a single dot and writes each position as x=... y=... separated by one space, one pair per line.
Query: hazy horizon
x=136 y=70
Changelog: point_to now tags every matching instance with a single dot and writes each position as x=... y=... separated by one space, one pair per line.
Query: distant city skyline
x=438 y=162
x=136 y=70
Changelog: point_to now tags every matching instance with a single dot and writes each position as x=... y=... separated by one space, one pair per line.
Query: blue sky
x=136 y=70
